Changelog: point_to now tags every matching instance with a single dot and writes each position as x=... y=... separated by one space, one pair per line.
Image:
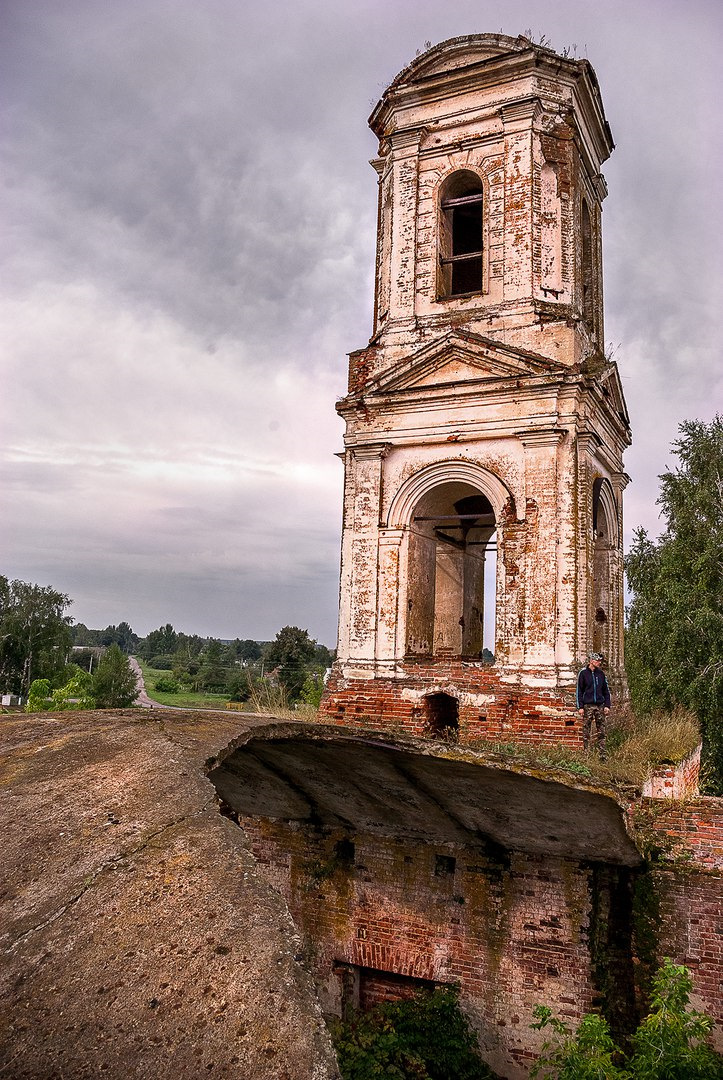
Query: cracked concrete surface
x=137 y=939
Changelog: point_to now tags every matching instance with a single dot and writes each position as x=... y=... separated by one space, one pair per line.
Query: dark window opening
x=442 y=716
x=461 y=235
x=364 y=988
x=345 y=852
x=444 y=865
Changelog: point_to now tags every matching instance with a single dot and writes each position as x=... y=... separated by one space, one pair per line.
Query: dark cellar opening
x=442 y=715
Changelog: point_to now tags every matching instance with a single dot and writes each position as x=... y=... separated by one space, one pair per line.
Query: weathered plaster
x=505 y=389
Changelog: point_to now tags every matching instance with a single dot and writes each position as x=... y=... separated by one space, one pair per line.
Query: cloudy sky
x=189 y=219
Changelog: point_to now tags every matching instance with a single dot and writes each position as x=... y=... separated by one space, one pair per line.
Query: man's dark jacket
x=592 y=688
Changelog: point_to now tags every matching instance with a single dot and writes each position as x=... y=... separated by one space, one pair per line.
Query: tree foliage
x=293 y=652
x=674 y=642
x=122 y=635
x=114 y=682
x=670 y=1043
x=34 y=634
x=76 y=693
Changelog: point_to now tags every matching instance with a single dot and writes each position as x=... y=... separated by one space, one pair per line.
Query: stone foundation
x=487 y=707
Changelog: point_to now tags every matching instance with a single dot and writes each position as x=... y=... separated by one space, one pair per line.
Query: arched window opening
x=588 y=306
x=452 y=574
x=461 y=237
x=603 y=531
x=442 y=716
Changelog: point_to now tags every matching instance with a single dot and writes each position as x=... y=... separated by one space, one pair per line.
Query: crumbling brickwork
x=688 y=877
x=408 y=863
x=487 y=709
x=384 y=918
x=484 y=427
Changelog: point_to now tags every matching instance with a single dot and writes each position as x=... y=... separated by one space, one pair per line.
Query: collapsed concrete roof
x=414 y=790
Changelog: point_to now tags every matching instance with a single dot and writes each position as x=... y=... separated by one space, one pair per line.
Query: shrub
x=163 y=662
x=670 y=1042
x=668 y=1045
x=312 y=689
x=76 y=694
x=424 y=1038
x=167 y=685
x=39 y=696
x=586 y=1055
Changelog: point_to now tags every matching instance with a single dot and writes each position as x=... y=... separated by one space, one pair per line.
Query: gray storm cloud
x=191 y=221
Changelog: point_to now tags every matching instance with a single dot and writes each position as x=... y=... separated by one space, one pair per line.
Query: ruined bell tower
x=485 y=427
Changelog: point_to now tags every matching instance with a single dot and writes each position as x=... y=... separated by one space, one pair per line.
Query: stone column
x=619 y=481
x=390 y=625
x=359 y=605
x=541 y=487
x=402 y=222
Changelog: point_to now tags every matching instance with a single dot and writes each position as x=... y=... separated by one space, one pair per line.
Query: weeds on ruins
x=423 y=1038
x=669 y=1044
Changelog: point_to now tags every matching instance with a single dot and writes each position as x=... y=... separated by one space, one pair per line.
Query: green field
x=184 y=699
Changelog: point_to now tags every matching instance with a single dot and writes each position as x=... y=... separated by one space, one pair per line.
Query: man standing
x=593 y=701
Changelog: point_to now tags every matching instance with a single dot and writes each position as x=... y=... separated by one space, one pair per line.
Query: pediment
x=457 y=53
x=613 y=389
x=461 y=357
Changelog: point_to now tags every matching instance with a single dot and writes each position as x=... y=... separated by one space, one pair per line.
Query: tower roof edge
x=481 y=55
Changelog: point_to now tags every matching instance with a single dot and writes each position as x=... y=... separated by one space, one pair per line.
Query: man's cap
x=595 y=656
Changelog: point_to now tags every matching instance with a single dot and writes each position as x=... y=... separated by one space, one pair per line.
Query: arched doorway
x=450 y=583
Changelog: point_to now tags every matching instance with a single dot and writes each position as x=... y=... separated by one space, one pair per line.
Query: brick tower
x=485 y=428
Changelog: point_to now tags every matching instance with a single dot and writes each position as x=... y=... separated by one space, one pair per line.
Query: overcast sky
x=191 y=214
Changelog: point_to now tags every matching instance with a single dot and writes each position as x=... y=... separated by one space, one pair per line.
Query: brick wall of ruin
x=512 y=929
x=688 y=878
x=488 y=707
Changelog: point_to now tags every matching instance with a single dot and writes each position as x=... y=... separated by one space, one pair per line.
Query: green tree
x=121 y=635
x=76 y=694
x=213 y=672
x=158 y=642
x=34 y=634
x=38 y=696
x=81 y=635
x=293 y=652
x=114 y=682
x=674 y=641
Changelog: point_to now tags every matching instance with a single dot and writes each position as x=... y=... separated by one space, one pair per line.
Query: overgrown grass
x=184 y=699
x=638 y=744
x=272 y=700
x=635 y=745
